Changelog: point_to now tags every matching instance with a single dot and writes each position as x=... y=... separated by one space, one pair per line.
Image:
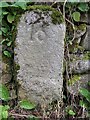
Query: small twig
x=67 y=19
x=73 y=28
x=53 y=4
x=18 y=115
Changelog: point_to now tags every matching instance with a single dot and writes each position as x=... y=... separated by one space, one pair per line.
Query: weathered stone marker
x=39 y=51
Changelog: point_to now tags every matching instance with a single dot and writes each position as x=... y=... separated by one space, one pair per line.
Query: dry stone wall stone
x=80 y=69
x=5 y=70
x=82 y=82
x=80 y=66
x=39 y=51
x=86 y=43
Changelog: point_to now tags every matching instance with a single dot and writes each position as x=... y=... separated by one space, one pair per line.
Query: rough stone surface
x=86 y=43
x=80 y=66
x=84 y=18
x=5 y=71
x=81 y=83
x=39 y=51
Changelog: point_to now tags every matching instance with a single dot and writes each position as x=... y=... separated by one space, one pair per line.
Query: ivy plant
x=4 y=111
x=23 y=104
x=85 y=103
x=4 y=93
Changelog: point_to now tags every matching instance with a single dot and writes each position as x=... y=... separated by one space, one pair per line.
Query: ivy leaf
x=83 y=7
x=4 y=30
x=76 y=16
x=0 y=32
x=4 y=4
x=4 y=111
x=83 y=104
x=26 y=104
x=10 y=18
x=4 y=93
x=4 y=40
x=21 y=4
x=6 y=107
x=6 y=53
x=9 y=43
x=4 y=12
x=71 y=112
x=5 y=114
x=85 y=93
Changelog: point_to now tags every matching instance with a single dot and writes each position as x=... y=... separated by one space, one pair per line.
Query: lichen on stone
x=56 y=15
x=16 y=66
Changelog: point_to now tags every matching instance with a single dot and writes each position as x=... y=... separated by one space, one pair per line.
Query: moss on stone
x=16 y=67
x=56 y=15
x=81 y=27
x=86 y=56
x=74 y=79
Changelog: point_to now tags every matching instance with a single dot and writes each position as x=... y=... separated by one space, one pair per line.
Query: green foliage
x=4 y=93
x=4 y=30
x=4 y=111
x=10 y=18
x=83 y=7
x=4 y=4
x=85 y=93
x=7 y=53
x=76 y=16
x=26 y=104
x=18 y=4
x=9 y=43
x=21 y=4
x=85 y=103
x=71 y=112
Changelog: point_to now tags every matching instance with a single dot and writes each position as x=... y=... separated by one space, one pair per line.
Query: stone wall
x=80 y=61
x=39 y=55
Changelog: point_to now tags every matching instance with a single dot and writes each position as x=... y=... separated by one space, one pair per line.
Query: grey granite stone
x=86 y=43
x=39 y=52
x=80 y=66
